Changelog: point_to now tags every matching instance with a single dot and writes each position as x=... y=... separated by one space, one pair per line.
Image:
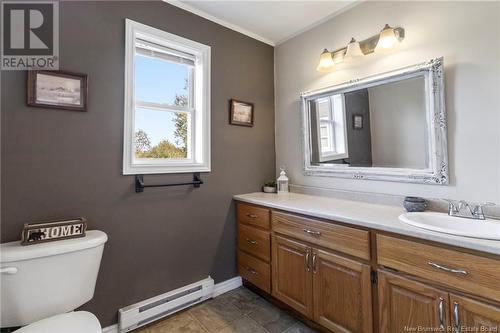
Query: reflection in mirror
x=378 y=126
x=329 y=132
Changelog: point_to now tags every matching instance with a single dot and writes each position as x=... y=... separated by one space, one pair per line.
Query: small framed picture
x=357 y=121
x=241 y=113
x=58 y=90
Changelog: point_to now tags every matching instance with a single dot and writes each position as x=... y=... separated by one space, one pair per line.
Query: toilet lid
x=74 y=322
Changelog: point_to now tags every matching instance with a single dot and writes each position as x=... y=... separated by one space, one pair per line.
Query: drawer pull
x=251 y=241
x=446 y=269
x=441 y=313
x=456 y=318
x=252 y=271
x=252 y=216
x=312 y=232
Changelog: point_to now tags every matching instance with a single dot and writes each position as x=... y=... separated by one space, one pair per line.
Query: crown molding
x=224 y=23
x=319 y=22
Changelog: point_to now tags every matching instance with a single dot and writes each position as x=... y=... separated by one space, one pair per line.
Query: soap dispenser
x=282 y=182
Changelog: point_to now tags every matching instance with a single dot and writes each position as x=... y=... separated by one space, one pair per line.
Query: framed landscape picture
x=57 y=89
x=241 y=113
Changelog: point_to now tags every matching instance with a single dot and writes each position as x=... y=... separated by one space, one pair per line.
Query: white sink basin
x=441 y=222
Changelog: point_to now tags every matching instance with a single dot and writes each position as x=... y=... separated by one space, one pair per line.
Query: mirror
x=388 y=127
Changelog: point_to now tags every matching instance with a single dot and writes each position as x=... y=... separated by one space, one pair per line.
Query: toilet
x=42 y=284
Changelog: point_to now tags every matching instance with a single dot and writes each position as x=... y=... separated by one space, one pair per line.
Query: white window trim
x=200 y=161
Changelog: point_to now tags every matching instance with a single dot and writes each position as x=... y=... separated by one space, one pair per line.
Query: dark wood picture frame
x=32 y=82
x=234 y=104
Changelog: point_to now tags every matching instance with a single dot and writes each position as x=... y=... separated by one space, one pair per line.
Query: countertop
x=375 y=216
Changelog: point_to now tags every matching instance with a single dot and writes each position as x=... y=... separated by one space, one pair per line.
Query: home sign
x=34 y=233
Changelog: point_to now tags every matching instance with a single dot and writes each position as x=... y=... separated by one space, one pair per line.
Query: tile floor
x=238 y=311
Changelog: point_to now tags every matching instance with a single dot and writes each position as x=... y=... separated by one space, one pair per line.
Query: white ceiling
x=271 y=22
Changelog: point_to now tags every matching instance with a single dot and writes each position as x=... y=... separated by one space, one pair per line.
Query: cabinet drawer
x=254 y=241
x=329 y=235
x=255 y=271
x=253 y=215
x=463 y=271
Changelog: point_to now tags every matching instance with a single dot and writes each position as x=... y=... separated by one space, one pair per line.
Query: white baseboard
x=219 y=289
x=228 y=285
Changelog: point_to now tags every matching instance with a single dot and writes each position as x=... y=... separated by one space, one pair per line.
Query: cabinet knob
x=252 y=271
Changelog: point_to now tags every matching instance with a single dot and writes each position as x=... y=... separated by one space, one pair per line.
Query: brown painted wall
x=58 y=164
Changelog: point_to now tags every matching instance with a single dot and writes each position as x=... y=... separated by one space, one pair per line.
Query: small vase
x=415 y=204
x=268 y=189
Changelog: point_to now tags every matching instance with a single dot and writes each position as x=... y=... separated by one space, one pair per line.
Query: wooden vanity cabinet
x=254 y=245
x=473 y=316
x=255 y=242
x=353 y=280
x=469 y=273
x=341 y=293
x=327 y=287
x=406 y=304
x=292 y=278
x=336 y=237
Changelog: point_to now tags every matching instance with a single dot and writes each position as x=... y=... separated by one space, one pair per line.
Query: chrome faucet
x=468 y=210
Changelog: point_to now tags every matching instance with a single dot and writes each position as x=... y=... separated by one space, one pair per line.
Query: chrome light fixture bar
x=385 y=41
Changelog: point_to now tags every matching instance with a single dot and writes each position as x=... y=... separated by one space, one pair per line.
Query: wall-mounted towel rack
x=139 y=183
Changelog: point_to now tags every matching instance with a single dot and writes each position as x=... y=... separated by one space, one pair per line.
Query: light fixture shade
x=387 y=40
x=325 y=62
x=353 y=50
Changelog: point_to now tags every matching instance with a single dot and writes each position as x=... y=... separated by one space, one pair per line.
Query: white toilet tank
x=42 y=280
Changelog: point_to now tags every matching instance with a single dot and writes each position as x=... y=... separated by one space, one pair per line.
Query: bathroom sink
x=441 y=222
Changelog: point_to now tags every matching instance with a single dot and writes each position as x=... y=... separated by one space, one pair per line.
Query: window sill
x=156 y=169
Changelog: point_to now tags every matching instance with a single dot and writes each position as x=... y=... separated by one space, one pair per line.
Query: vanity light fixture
x=325 y=62
x=388 y=39
x=382 y=42
x=353 y=50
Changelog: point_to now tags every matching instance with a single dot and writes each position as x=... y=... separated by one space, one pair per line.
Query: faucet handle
x=476 y=205
x=477 y=210
x=452 y=206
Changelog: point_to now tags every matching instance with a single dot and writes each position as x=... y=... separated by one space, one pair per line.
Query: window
x=167 y=102
x=332 y=132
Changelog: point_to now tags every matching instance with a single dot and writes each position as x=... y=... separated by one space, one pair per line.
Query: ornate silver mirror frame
x=437 y=171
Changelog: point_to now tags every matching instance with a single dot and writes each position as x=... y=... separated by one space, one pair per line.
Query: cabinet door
x=342 y=293
x=292 y=276
x=473 y=316
x=406 y=305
